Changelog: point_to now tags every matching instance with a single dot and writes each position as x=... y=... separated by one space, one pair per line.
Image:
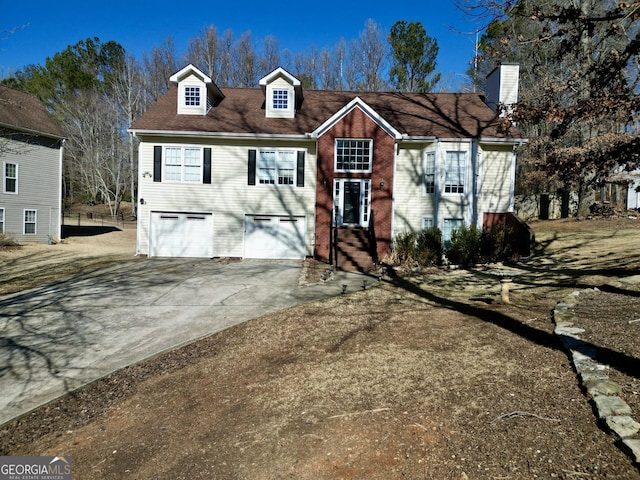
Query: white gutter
x=221 y=135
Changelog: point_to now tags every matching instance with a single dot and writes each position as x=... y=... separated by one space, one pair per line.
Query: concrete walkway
x=61 y=336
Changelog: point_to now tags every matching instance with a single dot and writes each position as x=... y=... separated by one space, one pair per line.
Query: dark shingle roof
x=442 y=115
x=24 y=111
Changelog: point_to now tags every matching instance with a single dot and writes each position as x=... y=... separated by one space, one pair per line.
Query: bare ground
x=421 y=376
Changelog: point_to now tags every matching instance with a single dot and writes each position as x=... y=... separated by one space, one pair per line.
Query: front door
x=351 y=199
x=351 y=205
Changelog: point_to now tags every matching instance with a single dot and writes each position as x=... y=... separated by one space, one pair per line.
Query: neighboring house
x=267 y=172
x=31 y=150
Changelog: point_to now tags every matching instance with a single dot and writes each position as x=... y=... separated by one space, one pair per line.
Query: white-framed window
x=427 y=223
x=276 y=167
x=280 y=99
x=450 y=225
x=353 y=155
x=30 y=221
x=191 y=96
x=10 y=181
x=183 y=164
x=455 y=167
x=429 y=173
x=1 y=220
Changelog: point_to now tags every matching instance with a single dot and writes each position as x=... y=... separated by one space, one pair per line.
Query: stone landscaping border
x=613 y=413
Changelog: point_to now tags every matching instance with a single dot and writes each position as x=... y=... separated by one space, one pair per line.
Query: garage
x=180 y=234
x=274 y=237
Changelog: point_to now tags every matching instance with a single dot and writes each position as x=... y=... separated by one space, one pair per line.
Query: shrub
x=429 y=247
x=496 y=243
x=421 y=249
x=7 y=241
x=464 y=247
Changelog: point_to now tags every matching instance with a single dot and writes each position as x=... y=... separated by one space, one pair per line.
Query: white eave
x=190 y=69
x=222 y=135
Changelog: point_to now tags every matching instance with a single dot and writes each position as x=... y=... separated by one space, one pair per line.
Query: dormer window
x=283 y=94
x=280 y=99
x=191 y=96
x=196 y=92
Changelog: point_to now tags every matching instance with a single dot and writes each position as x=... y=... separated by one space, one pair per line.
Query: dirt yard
x=429 y=376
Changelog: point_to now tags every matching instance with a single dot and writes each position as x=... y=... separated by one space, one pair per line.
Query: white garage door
x=274 y=237
x=173 y=234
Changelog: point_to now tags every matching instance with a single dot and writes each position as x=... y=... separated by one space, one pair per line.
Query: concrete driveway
x=60 y=336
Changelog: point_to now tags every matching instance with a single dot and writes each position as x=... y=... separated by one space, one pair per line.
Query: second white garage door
x=274 y=237
x=178 y=234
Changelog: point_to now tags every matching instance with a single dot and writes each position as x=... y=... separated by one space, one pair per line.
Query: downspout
x=475 y=172
x=438 y=183
x=139 y=207
x=393 y=193
x=512 y=186
x=60 y=212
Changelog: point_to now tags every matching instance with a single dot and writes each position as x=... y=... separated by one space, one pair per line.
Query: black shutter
x=206 y=173
x=157 y=163
x=300 y=174
x=252 y=167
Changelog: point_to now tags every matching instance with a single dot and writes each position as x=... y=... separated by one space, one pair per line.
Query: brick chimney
x=502 y=86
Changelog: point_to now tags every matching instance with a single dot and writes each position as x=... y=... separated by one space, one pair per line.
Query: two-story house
x=269 y=172
x=31 y=151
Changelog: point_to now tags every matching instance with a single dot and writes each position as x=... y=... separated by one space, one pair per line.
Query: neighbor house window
x=1 y=220
x=280 y=99
x=353 y=155
x=450 y=226
x=276 y=167
x=454 y=172
x=427 y=223
x=30 y=217
x=192 y=96
x=183 y=164
x=10 y=178
x=430 y=173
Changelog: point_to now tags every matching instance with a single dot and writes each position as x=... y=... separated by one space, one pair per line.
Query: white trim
x=182 y=180
x=180 y=74
x=365 y=203
x=220 y=135
x=279 y=72
x=335 y=155
x=4 y=177
x=366 y=109
x=24 y=221
x=260 y=151
x=3 y=217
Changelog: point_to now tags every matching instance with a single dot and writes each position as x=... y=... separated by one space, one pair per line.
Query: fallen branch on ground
x=524 y=414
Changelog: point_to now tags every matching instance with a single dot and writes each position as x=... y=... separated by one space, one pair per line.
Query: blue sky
x=45 y=28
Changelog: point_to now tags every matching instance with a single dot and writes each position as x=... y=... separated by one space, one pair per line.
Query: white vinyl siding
x=494 y=188
x=228 y=198
x=450 y=225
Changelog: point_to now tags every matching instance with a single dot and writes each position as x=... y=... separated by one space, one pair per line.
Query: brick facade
x=357 y=125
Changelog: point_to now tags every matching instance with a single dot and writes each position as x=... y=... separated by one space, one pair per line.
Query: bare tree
x=369 y=56
x=246 y=62
x=204 y=51
x=159 y=65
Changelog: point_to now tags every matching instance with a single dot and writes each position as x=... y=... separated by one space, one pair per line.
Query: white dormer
x=197 y=93
x=283 y=94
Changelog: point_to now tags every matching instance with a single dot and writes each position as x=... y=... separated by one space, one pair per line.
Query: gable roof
x=25 y=112
x=413 y=115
